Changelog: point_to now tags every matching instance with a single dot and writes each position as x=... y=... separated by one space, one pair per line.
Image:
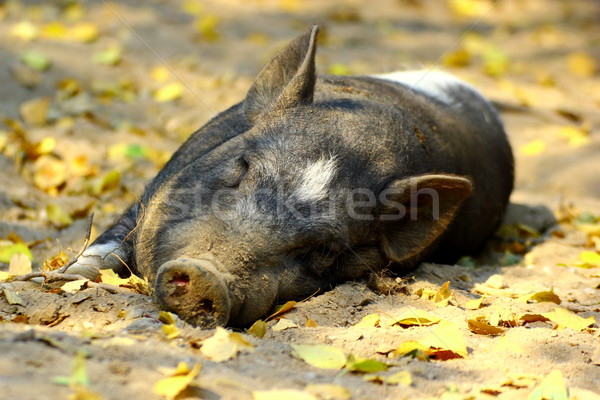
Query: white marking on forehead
x=315 y=180
x=435 y=84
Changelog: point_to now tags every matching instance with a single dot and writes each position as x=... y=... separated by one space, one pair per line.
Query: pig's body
x=315 y=181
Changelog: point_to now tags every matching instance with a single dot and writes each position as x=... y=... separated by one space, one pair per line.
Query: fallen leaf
x=589 y=259
x=552 y=387
x=474 y=304
x=328 y=391
x=74 y=286
x=416 y=317
x=49 y=172
x=279 y=394
x=19 y=264
x=106 y=183
x=582 y=64
x=483 y=328
x=84 y=32
x=160 y=73
x=412 y=349
x=446 y=336
x=339 y=69
x=258 y=329
x=577 y=136
x=169 y=92
x=172 y=386
x=533 y=148
x=24 y=30
x=567 y=319
x=13 y=298
x=110 y=277
x=110 y=56
x=282 y=310
x=79 y=375
x=284 y=323
x=320 y=355
x=27 y=77
x=310 y=323
x=368 y=321
x=207 y=27
x=459 y=58
x=364 y=365
x=36 y=60
x=8 y=249
x=540 y=297
x=35 y=111
x=469 y=8
x=57 y=216
x=402 y=378
x=224 y=345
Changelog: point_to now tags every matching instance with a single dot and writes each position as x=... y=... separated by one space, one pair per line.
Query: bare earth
x=538 y=59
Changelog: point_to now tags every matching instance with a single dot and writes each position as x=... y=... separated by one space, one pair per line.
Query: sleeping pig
x=312 y=180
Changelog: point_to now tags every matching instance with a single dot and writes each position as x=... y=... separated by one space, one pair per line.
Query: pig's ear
x=415 y=211
x=288 y=80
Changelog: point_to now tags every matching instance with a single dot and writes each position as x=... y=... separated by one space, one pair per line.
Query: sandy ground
x=537 y=59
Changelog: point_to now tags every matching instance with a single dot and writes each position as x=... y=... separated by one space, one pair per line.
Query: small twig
x=85 y=244
x=109 y=288
x=54 y=276
x=29 y=276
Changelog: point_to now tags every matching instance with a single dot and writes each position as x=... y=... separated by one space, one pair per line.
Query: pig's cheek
x=257 y=299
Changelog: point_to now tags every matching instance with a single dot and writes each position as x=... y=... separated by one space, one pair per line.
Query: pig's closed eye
x=237 y=172
x=317 y=258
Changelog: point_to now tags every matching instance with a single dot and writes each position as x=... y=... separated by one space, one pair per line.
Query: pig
x=312 y=181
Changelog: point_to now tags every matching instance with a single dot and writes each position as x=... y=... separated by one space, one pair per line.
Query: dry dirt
x=538 y=59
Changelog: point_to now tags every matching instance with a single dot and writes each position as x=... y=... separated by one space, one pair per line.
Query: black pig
x=309 y=181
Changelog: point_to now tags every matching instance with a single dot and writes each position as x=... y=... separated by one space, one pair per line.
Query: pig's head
x=286 y=208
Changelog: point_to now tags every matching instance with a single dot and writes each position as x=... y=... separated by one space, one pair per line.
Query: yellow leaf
x=166 y=317
x=49 y=172
x=533 y=148
x=8 y=249
x=412 y=349
x=5 y=275
x=402 y=378
x=207 y=27
x=364 y=365
x=328 y=391
x=111 y=56
x=483 y=328
x=74 y=286
x=576 y=136
x=54 y=31
x=443 y=296
x=24 y=30
x=469 y=8
x=368 y=321
x=540 y=297
x=84 y=32
x=566 y=319
x=168 y=92
x=13 y=298
x=224 y=345
x=474 y=304
x=258 y=329
x=36 y=60
x=106 y=183
x=283 y=324
x=416 y=317
x=582 y=64
x=192 y=7
x=279 y=394
x=110 y=277
x=457 y=58
x=57 y=216
x=552 y=387
x=282 y=310
x=171 y=331
x=589 y=259
x=446 y=336
x=160 y=73
x=19 y=264
x=171 y=387
x=320 y=355
x=35 y=111
x=310 y=323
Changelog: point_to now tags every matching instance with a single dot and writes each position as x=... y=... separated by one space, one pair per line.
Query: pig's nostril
x=181 y=280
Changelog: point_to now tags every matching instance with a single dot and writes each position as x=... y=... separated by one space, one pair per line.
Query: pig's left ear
x=288 y=80
x=417 y=210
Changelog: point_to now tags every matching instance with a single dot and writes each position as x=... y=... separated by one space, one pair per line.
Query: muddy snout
x=195 y=290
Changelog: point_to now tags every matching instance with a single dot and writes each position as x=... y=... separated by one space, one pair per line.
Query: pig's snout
x=195 y=290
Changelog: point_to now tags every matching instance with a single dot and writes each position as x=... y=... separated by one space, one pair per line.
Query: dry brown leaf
x=483 y=328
